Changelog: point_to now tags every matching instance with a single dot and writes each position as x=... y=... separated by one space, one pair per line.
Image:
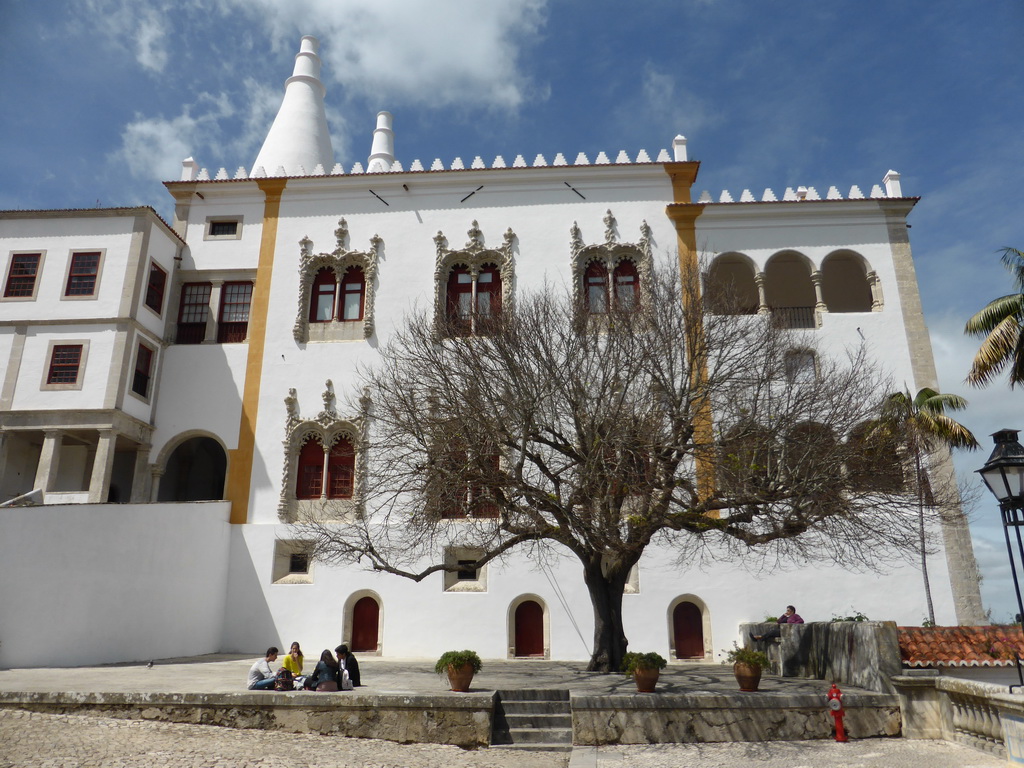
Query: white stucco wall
x=91 y=584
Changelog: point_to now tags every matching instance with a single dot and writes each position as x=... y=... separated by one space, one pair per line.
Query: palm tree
x=921 y=425
x=1001 y=323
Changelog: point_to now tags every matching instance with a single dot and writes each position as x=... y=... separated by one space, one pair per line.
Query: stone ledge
x=656 y=718
x=464 y=720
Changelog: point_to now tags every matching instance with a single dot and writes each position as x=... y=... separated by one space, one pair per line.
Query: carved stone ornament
x=339 y=260
x=326 y=429
x=473 y=256
x=610 y=253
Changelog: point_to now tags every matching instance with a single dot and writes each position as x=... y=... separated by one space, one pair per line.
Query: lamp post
x=1003 y=473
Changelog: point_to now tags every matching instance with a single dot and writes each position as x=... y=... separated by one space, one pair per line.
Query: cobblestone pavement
x=33 y=740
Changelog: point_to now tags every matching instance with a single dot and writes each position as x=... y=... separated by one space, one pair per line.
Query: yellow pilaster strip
x=683 y=214
x=240 y=471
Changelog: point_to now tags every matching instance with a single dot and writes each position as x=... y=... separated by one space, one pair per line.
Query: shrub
x=746 y=656
x=458 y=659
x=631 y=662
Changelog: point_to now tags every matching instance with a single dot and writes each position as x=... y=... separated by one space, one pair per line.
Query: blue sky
x=102 y=99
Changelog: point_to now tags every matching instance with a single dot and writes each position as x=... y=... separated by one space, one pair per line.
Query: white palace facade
x=171 y=394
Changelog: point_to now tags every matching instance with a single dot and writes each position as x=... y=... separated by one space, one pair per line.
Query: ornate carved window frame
x=326 y=428
x=474 y=255
x=610 y=253
x=339 y=260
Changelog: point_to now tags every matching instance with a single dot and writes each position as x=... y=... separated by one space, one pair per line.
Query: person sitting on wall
x=325 y=674
x=261 y=676
x=789 y=617
x=293 y=663
x=348 y=662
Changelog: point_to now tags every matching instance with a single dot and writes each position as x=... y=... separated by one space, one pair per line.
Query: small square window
x=800 y=366
x=292 y=562
x=155 y=288
x=143 y=369
x=83 y=274
x=21 y=277
x=223 y=228
x=465 y=578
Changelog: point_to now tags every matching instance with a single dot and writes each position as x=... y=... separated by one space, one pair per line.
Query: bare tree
x=594 y=434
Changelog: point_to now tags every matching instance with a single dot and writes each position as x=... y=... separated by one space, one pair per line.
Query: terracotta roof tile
x=960 y=646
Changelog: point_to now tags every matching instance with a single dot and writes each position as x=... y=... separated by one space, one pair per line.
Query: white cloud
x=133 y=25
x=441 y=53
x=153 y=147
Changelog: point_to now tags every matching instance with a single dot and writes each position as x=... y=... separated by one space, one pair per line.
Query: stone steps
x=537 y=720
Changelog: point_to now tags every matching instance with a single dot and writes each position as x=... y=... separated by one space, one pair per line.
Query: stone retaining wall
x=658 y=718
x=460 y=719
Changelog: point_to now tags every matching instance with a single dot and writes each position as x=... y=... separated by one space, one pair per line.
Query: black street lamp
x=1003 y=473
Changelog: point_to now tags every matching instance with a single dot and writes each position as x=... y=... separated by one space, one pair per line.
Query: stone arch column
x=819 y=301
x=762 y=298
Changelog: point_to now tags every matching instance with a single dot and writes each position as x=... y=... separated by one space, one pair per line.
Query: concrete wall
x=91 y=584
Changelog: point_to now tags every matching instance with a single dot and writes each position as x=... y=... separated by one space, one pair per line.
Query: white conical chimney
x=382 y=151
x=299 y=135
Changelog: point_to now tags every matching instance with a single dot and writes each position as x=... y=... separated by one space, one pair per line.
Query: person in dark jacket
x=347 y=661
x=325 y=674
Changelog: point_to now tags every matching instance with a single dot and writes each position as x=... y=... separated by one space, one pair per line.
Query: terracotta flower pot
x=747 y=675
x=460 y=677
x=646 y=679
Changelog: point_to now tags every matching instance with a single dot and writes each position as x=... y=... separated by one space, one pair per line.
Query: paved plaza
x=36 y=740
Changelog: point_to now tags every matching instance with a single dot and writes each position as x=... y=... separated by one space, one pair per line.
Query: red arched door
x=688 y=627
x=529 y=629
x=365 y=620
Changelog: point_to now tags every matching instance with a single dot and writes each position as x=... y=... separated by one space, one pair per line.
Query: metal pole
x=1010 y=519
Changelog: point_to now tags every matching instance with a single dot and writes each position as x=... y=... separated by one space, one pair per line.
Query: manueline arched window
x=341 y=468
x=311 y=471
x=321 y=304
x=353 y=291
x=595 y=288
x=627 y=286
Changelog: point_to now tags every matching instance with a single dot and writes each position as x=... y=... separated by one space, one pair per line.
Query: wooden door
x=529 y=620
x=365 y=620
x=688 y=627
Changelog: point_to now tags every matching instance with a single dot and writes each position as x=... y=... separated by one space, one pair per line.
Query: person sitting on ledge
x=261 y=676
x=348 y=662
x=325 y=674
x=789 y=617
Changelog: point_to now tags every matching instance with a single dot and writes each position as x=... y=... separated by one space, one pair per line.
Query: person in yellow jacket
x=293 y=661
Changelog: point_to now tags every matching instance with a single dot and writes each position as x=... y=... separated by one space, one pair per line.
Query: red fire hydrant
x=835 y=705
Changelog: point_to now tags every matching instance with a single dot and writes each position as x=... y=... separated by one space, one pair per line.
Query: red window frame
x=341 y=468
x=626 y=283
x=143 y=369
x=65 y=360
x=155 y=288
x=193 y=312
x=352 y=284
x=83 y=273
x=595 y=277
x=324 y=285
x=21 y=278
x=310 y=475
x=233 y=323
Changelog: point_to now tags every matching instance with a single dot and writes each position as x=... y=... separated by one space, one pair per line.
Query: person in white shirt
x=261 y=676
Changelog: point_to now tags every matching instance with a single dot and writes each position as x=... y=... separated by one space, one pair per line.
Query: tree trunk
x=606 y=585
x=921 y=536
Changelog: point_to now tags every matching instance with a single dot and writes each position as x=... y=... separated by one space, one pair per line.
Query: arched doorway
x=529 y=629
x=195 y=471
x=688 y=629
x=365 y=624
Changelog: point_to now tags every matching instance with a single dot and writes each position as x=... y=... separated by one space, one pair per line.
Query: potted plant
x=645 y=669
x=746 y=665
x=460 y=666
